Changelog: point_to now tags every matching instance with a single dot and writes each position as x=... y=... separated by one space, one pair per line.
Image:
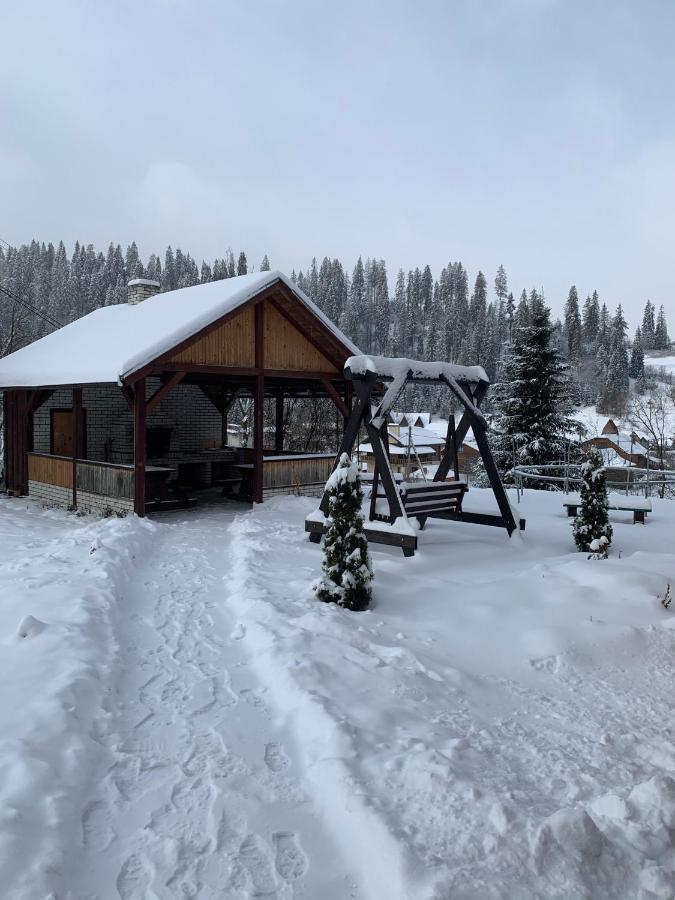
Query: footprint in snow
x=134 y=879
x=290 y=861
x=275 y=758
x=97 y=833
x=255 y=857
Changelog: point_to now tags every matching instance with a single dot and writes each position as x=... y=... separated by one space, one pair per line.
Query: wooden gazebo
x=79 y=404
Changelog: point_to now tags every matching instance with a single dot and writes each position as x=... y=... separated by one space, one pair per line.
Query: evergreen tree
x=636 y=368
x=590 y=326
x=648 y=326
x=242 y=265
x=265 y=264
x=532 y=400
x=572 y=327
x=347 y=574
x=510 y=313
x=522 y=317
x=661 y=338
x=592 y=528
x=501 y=285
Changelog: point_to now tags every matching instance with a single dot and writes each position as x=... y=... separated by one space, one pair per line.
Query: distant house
x=416 y=440
x=619 y=447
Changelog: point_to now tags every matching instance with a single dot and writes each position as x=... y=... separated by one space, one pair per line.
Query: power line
x=36 y=312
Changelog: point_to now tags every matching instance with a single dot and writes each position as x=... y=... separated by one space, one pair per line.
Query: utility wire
x=36 y=312
x=16 y=299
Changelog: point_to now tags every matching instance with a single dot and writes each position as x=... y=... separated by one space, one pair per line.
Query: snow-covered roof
x=389 y=367
x=397 y=451
x=418 y=436
x=112 y=342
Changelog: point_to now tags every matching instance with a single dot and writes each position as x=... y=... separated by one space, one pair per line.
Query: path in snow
x=198 y=794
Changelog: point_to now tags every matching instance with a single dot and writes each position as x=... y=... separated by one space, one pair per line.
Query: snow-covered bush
x=592 y=528
x=347 y=573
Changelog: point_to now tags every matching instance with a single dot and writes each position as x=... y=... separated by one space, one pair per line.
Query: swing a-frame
x=378 y=382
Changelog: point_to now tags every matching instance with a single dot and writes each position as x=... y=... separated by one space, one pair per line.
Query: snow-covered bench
x=639 y=506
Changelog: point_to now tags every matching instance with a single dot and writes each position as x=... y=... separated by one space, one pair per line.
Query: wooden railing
x=292 y=471
x=57 y=470
x=106 y=479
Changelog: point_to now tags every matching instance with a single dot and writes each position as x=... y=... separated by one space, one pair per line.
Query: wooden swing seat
x=430 y=497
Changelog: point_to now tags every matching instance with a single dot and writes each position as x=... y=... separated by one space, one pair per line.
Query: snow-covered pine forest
x=453 y=315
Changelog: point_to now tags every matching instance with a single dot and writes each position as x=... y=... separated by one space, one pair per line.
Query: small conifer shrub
x=592 y=528
x=347 y=573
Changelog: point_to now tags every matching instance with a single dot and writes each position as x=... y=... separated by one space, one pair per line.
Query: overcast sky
x=535 y=133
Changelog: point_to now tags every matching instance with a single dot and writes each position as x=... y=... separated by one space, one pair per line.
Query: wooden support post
x=279 y=424
x=335 y=397
x=450 y=454
x=162 y=391
x=128 y=395
x=78 y=437
x=139 y=447
x=17 y=440
x=364 y=389
x=493 y=475
x=259 y=404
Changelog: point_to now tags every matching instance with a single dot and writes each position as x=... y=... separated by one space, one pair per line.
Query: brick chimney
x=140 y=289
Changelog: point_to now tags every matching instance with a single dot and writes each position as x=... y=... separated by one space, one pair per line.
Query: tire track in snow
x=200 y=797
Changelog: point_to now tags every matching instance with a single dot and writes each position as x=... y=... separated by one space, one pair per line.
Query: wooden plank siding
x=106 y=480
x=293 y=473
x=57 y=470
x=232 y=344
x=287 y=348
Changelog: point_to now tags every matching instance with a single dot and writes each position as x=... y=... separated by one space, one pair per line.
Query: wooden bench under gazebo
x=111 y=411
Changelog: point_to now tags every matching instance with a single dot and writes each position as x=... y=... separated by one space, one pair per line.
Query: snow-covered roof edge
x=112 y=343
x=392 y=367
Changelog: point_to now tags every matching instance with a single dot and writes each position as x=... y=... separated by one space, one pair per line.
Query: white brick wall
x=53 y=495
x=190 y=415
x=108 y=506
x=50 y=494
x=303 y=490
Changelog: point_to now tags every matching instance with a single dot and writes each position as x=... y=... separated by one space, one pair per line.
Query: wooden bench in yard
x=639 y=506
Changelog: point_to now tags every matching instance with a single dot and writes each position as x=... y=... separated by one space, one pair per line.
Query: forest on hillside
x=451 y=316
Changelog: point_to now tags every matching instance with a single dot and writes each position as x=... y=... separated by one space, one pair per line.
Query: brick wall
x=190 y=415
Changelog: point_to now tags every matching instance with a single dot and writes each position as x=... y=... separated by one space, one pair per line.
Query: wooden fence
x=293 y=471
x=106 y=479
x=57 y=470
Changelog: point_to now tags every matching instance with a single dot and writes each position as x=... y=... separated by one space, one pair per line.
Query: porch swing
x=422 y=497
x=438 y=498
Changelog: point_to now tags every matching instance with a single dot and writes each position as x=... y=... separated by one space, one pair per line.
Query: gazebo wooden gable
x=273 y=345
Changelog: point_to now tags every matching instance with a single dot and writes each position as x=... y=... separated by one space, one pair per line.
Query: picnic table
x=639 y=506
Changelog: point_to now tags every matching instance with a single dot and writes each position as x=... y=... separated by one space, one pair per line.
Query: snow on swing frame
x=387 y=377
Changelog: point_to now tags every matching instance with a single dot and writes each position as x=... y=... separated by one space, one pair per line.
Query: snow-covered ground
x=192 y=723
x=667 y=363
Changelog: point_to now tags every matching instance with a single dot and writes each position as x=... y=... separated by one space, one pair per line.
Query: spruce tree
x=661 y=338
x=265 y=264
x=592 y=528
x=532 y=399
x=590 y=325
x=242 y=265
x=573 y=326
x=347 y=573
x=648 y=326
x=636 y=367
